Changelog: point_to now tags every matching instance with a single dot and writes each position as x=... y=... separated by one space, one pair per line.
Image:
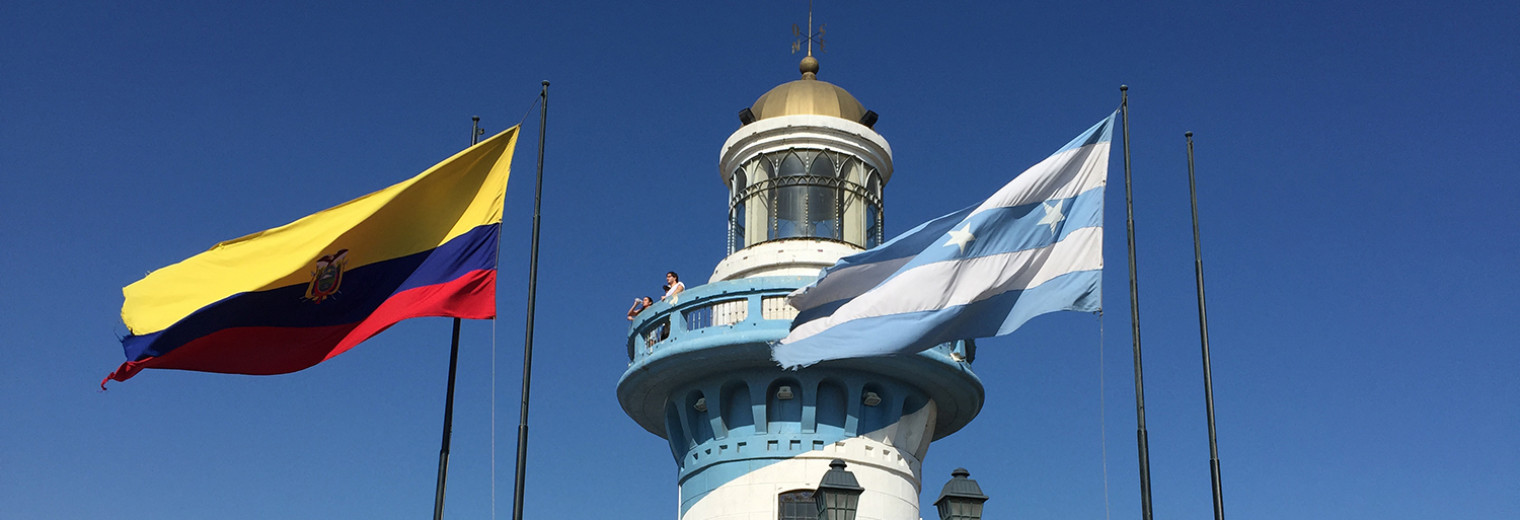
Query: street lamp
x=961 y=499
x=838 y=493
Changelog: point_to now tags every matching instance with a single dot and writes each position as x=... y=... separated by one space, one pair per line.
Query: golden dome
x=808 y=96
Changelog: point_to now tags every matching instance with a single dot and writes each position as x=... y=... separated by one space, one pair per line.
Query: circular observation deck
x=724 y=330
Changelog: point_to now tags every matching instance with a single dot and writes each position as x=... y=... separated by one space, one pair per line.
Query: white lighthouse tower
x=805 y=173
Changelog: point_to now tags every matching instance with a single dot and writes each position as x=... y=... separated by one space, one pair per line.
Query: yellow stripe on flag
x=419 y=214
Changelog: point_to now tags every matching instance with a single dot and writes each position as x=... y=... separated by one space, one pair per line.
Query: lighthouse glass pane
x=873 y=226
x=873 y=213
x=736 y=214
x=791 y=211
x=806 y=193
x=792 y=165
x=769 y=199
x=736 y=220
x=823 y=212
x=822 y=166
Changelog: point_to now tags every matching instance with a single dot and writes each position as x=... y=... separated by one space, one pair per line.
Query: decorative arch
x=873 y=419
x=784 y=415
x=697 y=422
x=832 y=407
x=738 y=409
x=674 y=433
x=822 y=166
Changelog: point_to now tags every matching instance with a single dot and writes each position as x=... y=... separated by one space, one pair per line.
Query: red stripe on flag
x=281 y=350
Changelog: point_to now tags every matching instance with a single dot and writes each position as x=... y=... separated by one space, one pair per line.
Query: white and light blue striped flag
x=1035 y=246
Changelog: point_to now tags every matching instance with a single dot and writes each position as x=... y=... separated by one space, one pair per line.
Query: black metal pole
x=522 y=422
x=1203 y=331
x=448 y=426
x=1134 y=314
x=448 y=404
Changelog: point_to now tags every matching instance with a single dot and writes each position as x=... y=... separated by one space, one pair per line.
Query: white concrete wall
x=790 y=257
x=889 y=475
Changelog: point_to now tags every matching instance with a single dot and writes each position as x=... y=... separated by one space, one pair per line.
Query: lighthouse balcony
x=753 y=309
x=724 y=330
x=737 y=311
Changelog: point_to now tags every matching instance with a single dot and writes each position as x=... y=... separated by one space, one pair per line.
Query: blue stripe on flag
x=993 y=316
x=1006 y=230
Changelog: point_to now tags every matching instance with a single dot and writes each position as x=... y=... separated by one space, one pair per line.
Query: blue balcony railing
x=712 y=309
x=753 y=304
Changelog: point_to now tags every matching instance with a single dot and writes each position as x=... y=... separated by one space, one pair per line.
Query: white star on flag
x=1053 y=215
x=961 y=237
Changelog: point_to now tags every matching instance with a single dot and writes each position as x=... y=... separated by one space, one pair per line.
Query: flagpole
x=1203 y=330
x=448 y=403
x=522 y=423
x=1134 y=314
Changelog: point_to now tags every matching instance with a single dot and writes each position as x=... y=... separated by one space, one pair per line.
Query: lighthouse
x=804 y=172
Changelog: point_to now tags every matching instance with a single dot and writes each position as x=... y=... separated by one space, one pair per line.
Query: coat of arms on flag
x=327 y=276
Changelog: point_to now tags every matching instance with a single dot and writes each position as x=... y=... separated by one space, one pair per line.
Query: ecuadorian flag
x=287 y=298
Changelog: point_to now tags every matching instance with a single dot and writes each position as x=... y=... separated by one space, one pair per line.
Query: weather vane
x=810 y=37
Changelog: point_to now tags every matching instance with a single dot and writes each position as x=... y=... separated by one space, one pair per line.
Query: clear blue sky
x=1355 y=179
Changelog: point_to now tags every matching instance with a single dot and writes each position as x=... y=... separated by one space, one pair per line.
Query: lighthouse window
x=822 y=167
x=737 y=216
x=873 y=211
x=823 y=201
x=797 y=505
x=737 y=238
x=792 y=165
x=791 y=205
x=791 y=212
x=823 y=212
x=803 y=193
x=873 y=226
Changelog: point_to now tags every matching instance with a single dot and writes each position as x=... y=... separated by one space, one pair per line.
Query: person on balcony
x=673 y=286
x=639 y=304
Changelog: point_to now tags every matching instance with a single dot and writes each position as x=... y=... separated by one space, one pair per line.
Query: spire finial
x=809 y=65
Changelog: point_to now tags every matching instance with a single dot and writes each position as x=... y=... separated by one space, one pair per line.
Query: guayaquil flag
x=1035 y=246
x=287 y=298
